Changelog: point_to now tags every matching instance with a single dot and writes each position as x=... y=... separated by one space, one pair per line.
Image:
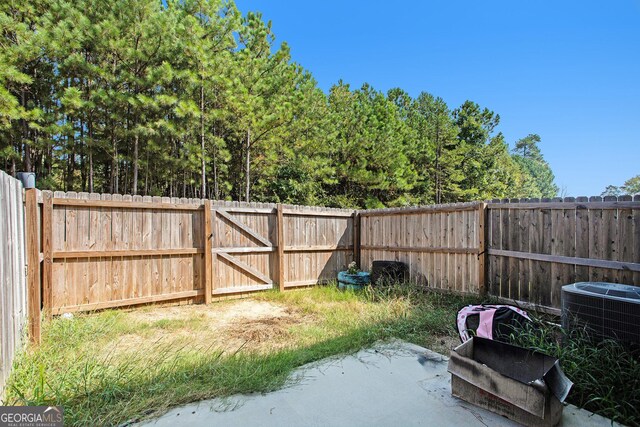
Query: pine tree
x=539 y=177
x=187 y=98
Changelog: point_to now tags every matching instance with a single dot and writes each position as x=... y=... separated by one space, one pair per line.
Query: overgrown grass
x=87 y=365
x=606 y=375
x=110 y=367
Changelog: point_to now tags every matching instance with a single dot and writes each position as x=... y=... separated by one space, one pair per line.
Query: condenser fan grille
x=609 y=310
x=610 y=289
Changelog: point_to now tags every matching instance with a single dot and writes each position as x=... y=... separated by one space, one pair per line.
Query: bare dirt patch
x=219 y=313
x=254 y=332
x=228 y=327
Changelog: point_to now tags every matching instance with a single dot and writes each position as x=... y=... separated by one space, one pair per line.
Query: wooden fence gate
x=243 y=249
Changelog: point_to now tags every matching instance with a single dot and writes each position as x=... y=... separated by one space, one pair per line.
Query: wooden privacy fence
x=442 y=245
x=112 y=251
x=102 y=251
x=92 y=251
x=534 y=248
x=13 y=281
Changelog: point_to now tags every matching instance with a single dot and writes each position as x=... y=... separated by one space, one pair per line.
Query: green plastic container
x=353 y=282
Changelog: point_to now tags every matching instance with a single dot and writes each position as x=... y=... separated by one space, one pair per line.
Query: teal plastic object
x=353 y=281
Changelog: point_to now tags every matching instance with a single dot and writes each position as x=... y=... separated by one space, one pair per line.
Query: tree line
x=190 y=98
x=630 y=187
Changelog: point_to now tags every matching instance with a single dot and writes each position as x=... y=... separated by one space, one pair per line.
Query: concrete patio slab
x=393 y=384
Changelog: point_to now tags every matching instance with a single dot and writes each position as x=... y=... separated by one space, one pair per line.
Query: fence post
x=280 y=226
x=47 y=264
x=33 y=265
x=356 y=237
x=208 y=255
x=482 y=253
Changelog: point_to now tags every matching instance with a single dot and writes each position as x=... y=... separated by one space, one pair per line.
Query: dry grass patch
x=250 y=325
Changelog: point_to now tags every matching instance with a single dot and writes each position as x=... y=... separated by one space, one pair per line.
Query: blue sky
x=566 y=70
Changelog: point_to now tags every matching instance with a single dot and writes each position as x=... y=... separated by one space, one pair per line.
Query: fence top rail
x=85 y=199
x=290 y=212
x=312 y=210
x=194 y=206
x=581 y=199
x=414 y=210
x=566 y=205
x=329 y=213
x=124 y=204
